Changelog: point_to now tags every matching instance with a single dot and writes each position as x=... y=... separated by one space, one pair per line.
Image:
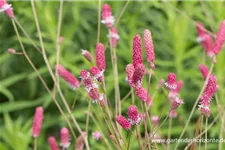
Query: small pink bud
x=173 y=113
x=123 y=122
x=112 y=137
x=137 y=51
x=67 y=76
x=160 y=83
x=113 y=34
x=87 y=55
x=133 y=116
x=107 y=17
x=60 y=40
x=100 y=56
x=11 y=51
x=220 y=38
x=52 y=143
x=97 y=135
x=95 y=95
x=204 y=70
x=149 y=48
x=171 y=82
x=155 y=120
x=129 y=74
x=142 y=94
x=37 y=122
x=65 y=137
x=201 y=29
x=138 y=75
x=97 y=74
x=6 y=8
x=176 y=102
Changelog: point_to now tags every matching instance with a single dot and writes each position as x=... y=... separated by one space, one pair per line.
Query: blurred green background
x=176 y=48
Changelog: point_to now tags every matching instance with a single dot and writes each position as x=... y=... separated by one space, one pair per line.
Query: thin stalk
x=222 y=131
x=160 y=125
x=206 y=126
x=139 y=138
x=87 y=119
x=125 y=97
x=35 y=143
x=169 y=131
x=196 y=102
x=122 y=12
x=99 y=21
x=42 y=80
x=52 y=75
x=201 y=125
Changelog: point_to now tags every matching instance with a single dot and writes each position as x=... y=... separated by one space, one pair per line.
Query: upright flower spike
x=133 y=116
x=220 y=38
x=97 y=135
x=96 y=73
x=100 y=56
x=205 y=39
x=138 y=75
x=87 y=55
x=6 y=8
x=204 y=70
x=107 y=17
x=171 y=82
x=123 y=122
x=65 y=138
x=67 y=76
x=137 y=50
x=149 y=48
x=52 y=143
x=129 y=74
x=37 y=122
x=114 y=36
x=143 y=94
x=173 y=93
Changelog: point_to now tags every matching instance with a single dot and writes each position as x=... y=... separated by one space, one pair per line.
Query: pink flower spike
x=52 y=143
x=171 y=82
x=173 y=113
x=97 y=74
x=201 y=29
x=67 y=76
x=107 y=17
x=87 y=55
x=149 y=48
x=37 y=122
x=95 y=95
x=155 y=120
x=137 y=50
x=123 y=122
x=138 y=75
x=204 y=70
x=220 y=38
x=97 y=135
x=176 y=102
x=129 y=74
x=100 y=56
x=113 y=34
x=133 y=116
x=142 y=94
x=6 y=8
x=65 y=137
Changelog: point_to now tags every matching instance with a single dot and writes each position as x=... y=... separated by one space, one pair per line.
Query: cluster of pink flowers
x=67 y=76
x=210 y=90
x=207 y=41
x=108 y=20
x=134 y=118
x=6 y=8
x=174 y=87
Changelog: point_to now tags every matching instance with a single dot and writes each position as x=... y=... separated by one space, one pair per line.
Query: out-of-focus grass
x=174 y=37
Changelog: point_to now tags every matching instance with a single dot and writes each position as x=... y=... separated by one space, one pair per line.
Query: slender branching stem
x=206 y=126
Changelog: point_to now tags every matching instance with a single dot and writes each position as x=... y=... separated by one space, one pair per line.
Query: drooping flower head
x=155 y=120
x=133 y=116
x=114 y=36
x=171 y=82
x=173 y=93
x=123 y=122
x=65 y=137
x=37 y=122
x=95 y=95
x=87 y=80
x=143 y=94
x=67 y=76
x=97 y=135
x=220 y=38
x=87 y=55
x=129 y=74
x=96 y=73
x=138 y=75
x=6 y=8
x=149 y=48
x=137 y=50
x=100 y=56
x=175 y=102
x=204 y=70
x=107 y=17
x=52 y=143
